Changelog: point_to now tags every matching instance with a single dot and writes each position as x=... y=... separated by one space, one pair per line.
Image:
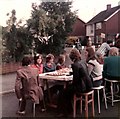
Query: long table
x=57 y=75
x=62 y=77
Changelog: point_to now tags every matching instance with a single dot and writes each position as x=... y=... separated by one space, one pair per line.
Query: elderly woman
x=81 y=83
x=111 y=67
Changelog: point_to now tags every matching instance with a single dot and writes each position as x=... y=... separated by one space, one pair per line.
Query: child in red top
x=38 y=63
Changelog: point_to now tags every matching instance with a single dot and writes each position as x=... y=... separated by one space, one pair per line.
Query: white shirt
x=95 y=69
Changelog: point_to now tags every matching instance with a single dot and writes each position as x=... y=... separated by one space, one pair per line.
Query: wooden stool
x=34 y=106
x=98 y=94
x=111 y=95
x=88 y=98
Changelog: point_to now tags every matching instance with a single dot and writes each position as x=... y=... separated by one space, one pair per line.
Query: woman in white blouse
x=95 y=66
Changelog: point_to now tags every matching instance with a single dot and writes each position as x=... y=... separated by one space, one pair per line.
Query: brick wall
x=9 y=67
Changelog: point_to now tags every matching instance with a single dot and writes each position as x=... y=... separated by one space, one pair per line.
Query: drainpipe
x=95 y=33
x=119 y=17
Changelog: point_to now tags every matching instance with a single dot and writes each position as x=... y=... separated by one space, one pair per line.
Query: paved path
x=7 y=82
x=9 y=102
x=10 y=106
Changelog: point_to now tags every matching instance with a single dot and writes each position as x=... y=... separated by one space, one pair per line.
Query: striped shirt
x=104 y=48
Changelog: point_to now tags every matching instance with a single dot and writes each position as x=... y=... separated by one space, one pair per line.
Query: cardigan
x=111 y=67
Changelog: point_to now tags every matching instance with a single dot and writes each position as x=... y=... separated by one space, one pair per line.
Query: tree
x=53 y=19
x=17 y=39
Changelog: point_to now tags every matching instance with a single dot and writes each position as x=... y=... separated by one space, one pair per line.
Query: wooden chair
x=98 y=96
x=112 y=95
x=87 y=98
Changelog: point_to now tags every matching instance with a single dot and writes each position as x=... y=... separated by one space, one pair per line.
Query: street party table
x=61 y=76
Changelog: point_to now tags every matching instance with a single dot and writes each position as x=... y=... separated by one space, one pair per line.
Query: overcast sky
x=87 y=8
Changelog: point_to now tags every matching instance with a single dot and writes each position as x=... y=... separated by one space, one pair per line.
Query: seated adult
x=81 y=83
x=68 y=61
x=95 y=66
x=111 y=67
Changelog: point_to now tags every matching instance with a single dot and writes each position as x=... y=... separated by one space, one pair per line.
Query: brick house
x=78 y=31
x=78 y=28
x=104 y=25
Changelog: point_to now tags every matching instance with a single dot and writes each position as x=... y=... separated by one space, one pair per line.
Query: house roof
x=80 y=20
x=103 y=15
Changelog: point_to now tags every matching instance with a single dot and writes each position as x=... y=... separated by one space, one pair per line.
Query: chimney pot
x=108 y=6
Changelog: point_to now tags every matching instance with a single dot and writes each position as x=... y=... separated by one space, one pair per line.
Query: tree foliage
x=16 y=39
x=53 y=19
x=45 y=32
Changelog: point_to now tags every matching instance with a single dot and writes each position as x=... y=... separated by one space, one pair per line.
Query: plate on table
x=55 y=74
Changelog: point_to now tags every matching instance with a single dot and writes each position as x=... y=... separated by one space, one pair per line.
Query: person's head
x=110 y=42
x=89 y=42
x=26 y=61
x=99 y=57
x=90 y=53
x=84 y=41
x=75 y=55
x=38 y=59
x=114 y=51
x=61 y=59
x=49 y=58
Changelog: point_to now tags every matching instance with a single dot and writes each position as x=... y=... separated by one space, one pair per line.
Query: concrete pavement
x=9 y=103
x=10 y=106
x=7 y=82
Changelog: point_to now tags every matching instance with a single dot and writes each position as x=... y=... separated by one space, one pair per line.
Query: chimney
x=118 y=3
x=108 y=6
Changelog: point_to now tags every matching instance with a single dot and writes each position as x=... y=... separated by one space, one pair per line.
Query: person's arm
x=41 y=69
x=104 y=73
x=58 y=66
x=90 y=68
x=18 y=86
x=108 y=47
x=97 y=78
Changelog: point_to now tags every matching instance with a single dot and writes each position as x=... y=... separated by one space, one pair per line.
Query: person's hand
x=20 y=99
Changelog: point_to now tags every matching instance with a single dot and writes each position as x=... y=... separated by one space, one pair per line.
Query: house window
x=96 y=39
x=91 y=28
x=98 y=25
